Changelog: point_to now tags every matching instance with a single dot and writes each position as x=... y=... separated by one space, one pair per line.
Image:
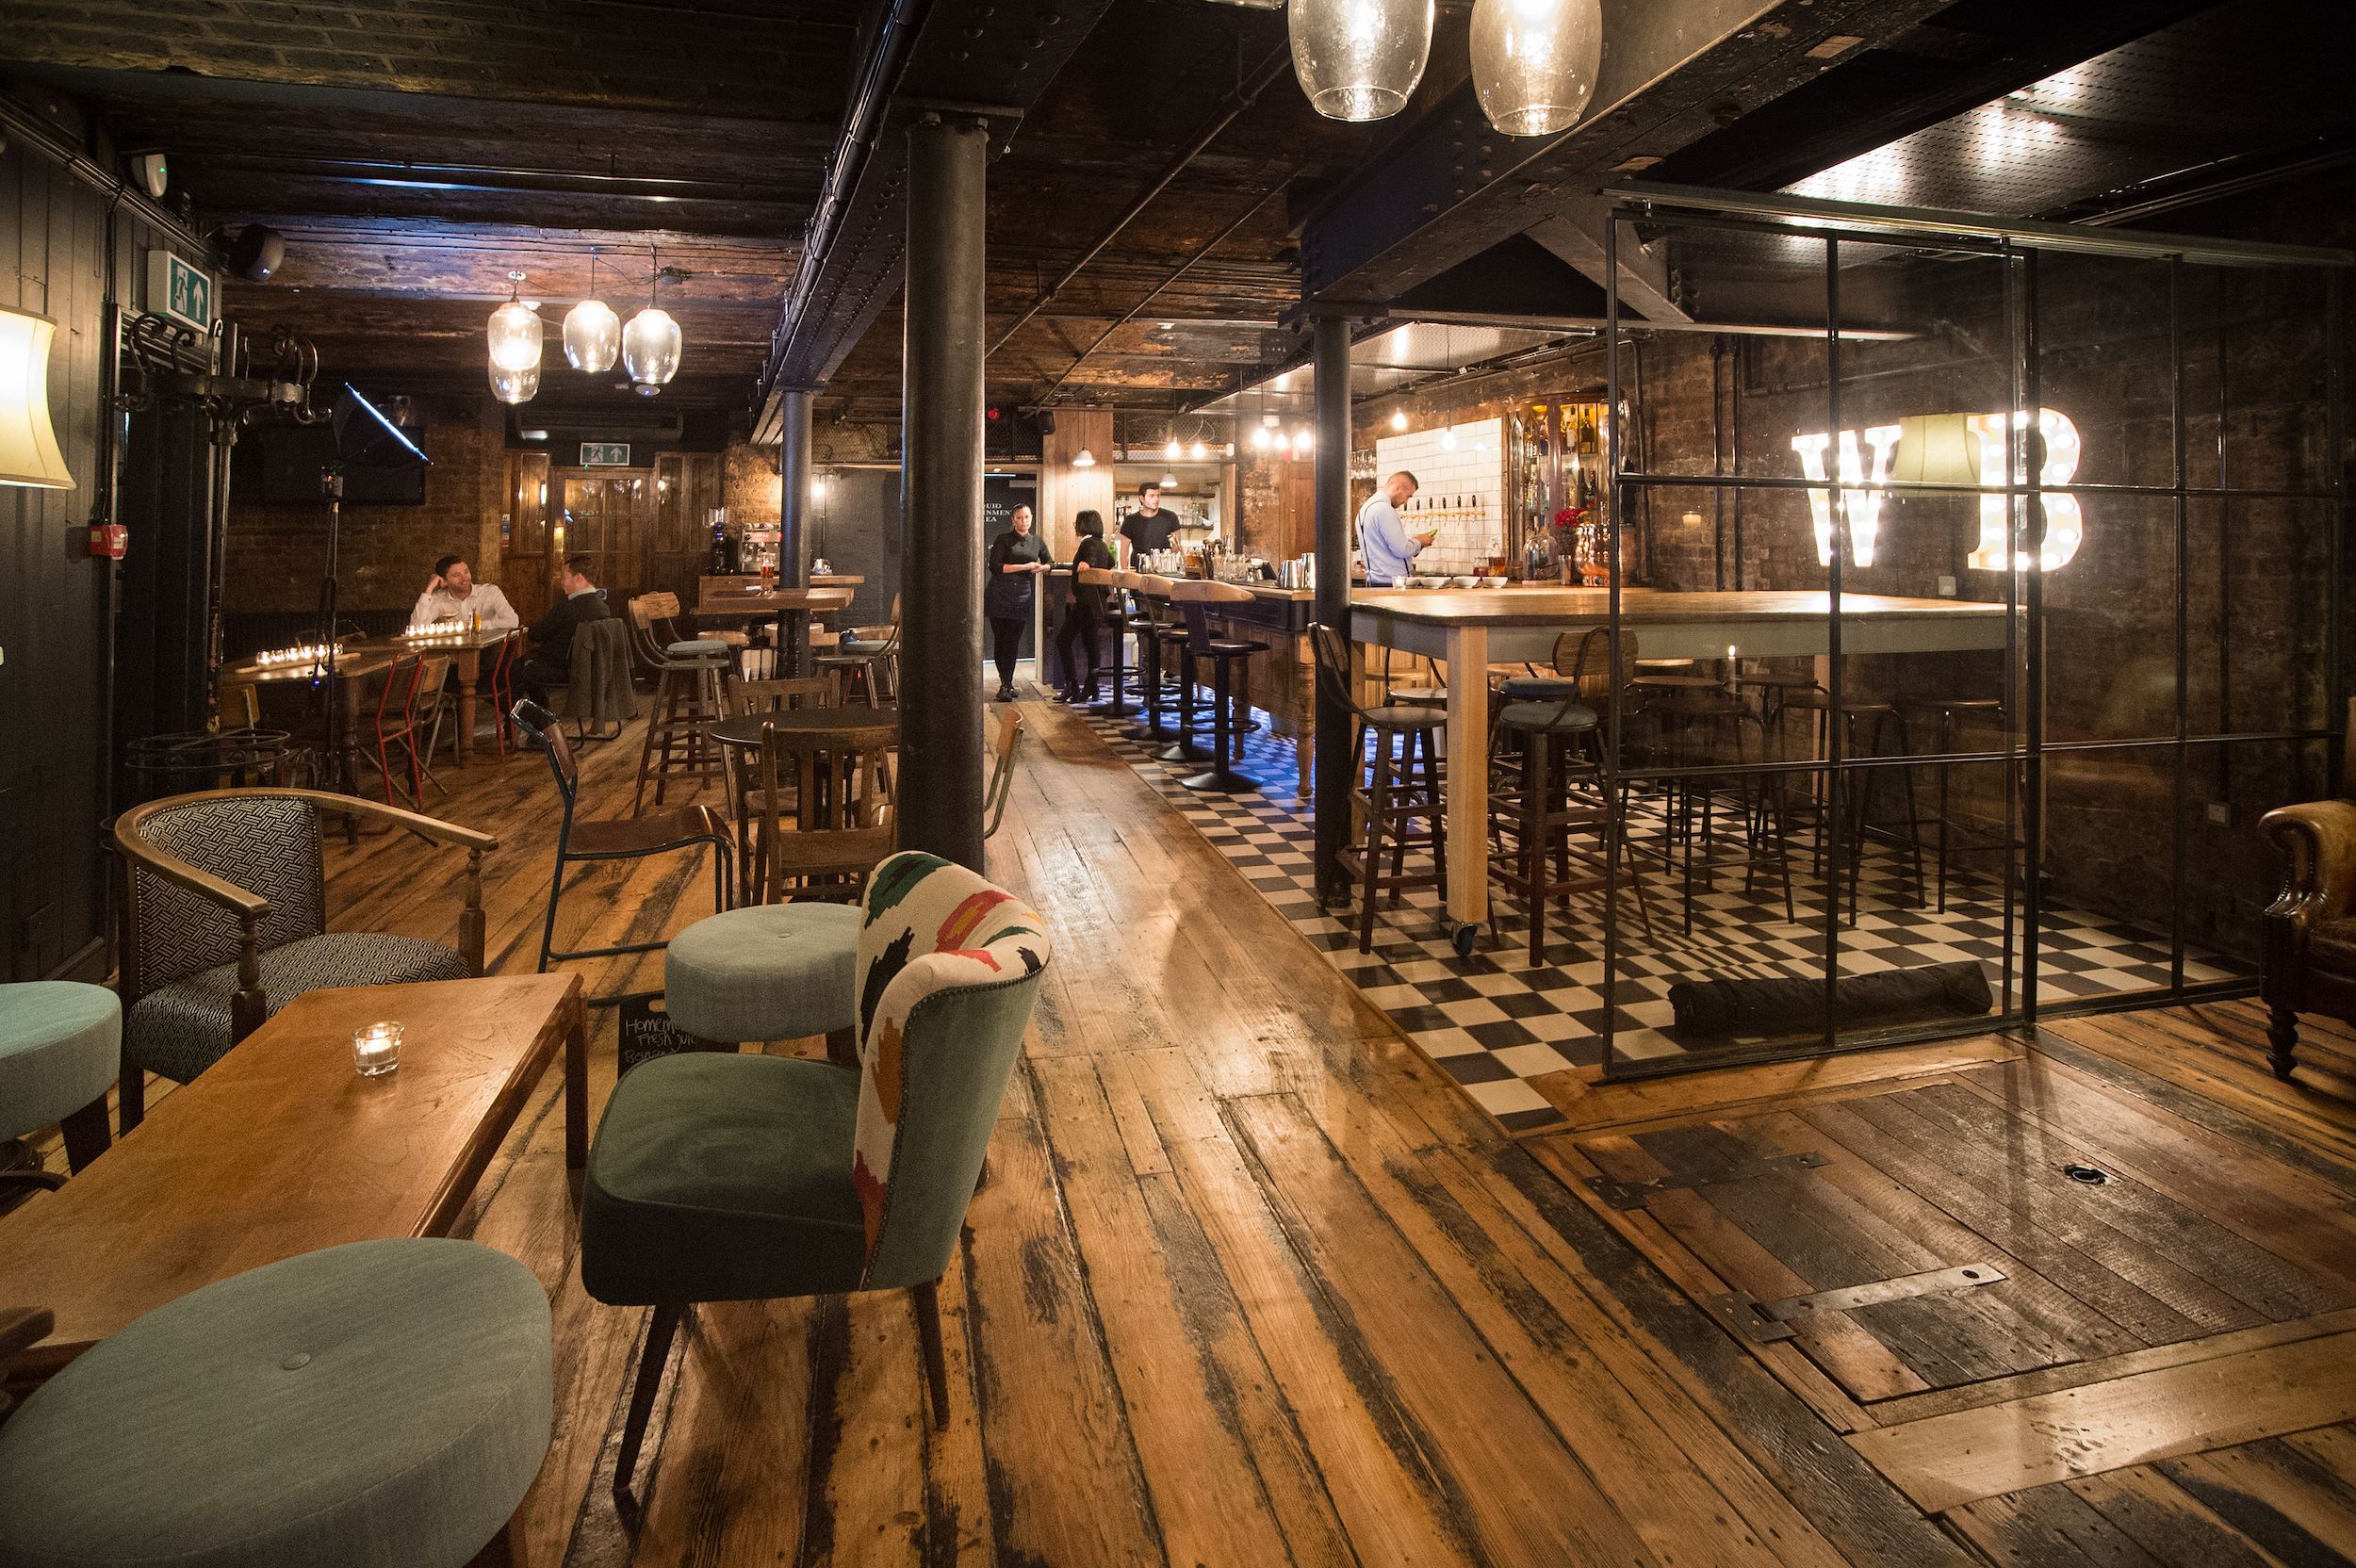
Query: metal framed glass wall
x=2034 y=606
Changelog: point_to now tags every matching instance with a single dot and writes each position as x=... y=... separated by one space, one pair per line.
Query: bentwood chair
x=751 y=1177
x=224 y=921
x=613 y=838
x=825 y=810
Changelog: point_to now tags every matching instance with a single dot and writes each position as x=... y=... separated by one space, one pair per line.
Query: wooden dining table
x=364 y=658
x=743 y=735
x=1470 y=629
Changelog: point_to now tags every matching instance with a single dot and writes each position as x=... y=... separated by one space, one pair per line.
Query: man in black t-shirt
x=1149 y=528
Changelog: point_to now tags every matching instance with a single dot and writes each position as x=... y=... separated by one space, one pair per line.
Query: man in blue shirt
x=1383 y=542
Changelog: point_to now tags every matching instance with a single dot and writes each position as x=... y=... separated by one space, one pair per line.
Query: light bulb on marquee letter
x=2065 y=520
x=1861 y=488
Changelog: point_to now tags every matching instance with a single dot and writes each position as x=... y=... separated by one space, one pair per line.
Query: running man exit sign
x=179 y=290
x=605 y=454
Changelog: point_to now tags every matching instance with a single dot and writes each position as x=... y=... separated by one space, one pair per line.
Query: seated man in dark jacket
x=550 y=661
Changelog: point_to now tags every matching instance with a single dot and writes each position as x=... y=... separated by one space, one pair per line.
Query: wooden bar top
x=1533 y=606
x=281 y=1148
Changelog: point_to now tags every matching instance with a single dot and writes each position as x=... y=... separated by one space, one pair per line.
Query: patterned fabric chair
x=225 y=921
x=728 y=1178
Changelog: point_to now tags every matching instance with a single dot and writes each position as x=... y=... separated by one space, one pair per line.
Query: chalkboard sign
x=1000 y=496
x=647 y=1032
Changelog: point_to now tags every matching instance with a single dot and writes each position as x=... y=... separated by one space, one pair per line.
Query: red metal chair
x=501 y=682
x=396 y=725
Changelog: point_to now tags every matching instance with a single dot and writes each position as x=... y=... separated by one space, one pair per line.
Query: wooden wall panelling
x=526 y=567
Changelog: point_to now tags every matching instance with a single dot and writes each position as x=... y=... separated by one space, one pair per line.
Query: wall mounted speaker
x=1047 y=421
x=256 y=251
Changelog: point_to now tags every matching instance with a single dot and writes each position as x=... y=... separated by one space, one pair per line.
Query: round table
x=744 y=730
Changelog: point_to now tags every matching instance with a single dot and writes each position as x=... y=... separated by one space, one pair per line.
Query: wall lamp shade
x=1085 y=460
x=1937 y=448
x=29 y=442
x=515 y=386
x=592 y=336
x=650 y=346
x=1359 y=60
x=1534 y=62
x=515 y=333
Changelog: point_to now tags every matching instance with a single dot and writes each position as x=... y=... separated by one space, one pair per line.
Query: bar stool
x=687 y=697
x=1402 y=784
x=1699 y=723
x=866 y=661
x=1157 y=647
x=1945 y=714
x=1105 y=580
x=1121 y=588
x=1192 y=600
x=1535 y=816
x=1868 y=724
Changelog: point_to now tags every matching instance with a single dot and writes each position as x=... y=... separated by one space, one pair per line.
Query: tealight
x=376 y=1049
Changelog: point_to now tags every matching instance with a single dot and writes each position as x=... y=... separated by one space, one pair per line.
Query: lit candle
x=376 y=1049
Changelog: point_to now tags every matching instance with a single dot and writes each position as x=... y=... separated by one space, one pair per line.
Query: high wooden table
x=281 y=1148
x=1470 y=627
x=792 y=608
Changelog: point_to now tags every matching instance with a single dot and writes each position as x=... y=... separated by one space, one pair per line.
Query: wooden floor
x=1249 y=1283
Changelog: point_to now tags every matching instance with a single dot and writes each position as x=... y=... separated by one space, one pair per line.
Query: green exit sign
x=179 y=290
x=605 y=454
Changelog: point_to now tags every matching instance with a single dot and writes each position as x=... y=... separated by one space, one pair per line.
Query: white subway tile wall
x=1461 y=488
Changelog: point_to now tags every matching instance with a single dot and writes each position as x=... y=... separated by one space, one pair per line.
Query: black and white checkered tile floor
x=1492 y=1022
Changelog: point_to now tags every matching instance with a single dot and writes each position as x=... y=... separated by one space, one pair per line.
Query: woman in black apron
x=1086 y=607
x=1016 y=558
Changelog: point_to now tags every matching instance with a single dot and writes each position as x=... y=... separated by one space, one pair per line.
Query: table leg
x=1469 y=774
x=469 y=672
x=577 y=1087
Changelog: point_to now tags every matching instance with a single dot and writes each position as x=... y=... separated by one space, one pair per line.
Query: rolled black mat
x=1784 y=1006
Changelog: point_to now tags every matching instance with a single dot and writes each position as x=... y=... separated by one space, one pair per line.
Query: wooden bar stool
x=1228 y=693
x=1399 y=786
x=688 y=673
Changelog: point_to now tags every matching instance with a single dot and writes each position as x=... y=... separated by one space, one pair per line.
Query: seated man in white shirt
x=455 y=595
x=1387 y=548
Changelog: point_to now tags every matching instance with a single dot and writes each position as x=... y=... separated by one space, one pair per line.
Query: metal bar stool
x=1120 y=615
x=1867 y=726
x=1193 y=599
x=1946 y=716
x=1400 y=785
x=1560 y=788
x=1152 y=597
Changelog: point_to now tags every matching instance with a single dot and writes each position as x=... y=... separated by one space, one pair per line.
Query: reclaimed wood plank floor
x=1247 y=1281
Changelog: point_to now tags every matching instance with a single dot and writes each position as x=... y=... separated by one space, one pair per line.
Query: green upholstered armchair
x=727 y=1178
x=224 y=921
x=2309 y=931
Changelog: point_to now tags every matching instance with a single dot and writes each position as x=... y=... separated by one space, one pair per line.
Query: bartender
x=1383 y=542
x=1149 y=528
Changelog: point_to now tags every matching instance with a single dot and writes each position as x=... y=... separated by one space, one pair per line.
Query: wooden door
x=526 y=569
x=686 y=492
x=607 y=516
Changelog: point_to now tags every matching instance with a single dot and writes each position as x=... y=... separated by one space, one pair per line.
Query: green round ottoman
x=61 y=1048
x=771 y=971
x=380 y=1404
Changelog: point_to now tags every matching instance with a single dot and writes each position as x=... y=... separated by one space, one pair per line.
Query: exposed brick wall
x=750 y=488
x=277 y=553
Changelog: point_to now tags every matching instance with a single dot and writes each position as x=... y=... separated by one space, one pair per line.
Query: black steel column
x=793 y=476
x=1330 y=350
x=941 y=641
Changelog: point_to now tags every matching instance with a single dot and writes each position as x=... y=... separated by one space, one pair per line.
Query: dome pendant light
x=651 y=342
x=1534 y=62
x=1359 y=60
x=515 y=332
x=593 y=333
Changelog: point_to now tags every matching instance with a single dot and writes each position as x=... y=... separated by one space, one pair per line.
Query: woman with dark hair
x=1016 y=558
x=1086 y=608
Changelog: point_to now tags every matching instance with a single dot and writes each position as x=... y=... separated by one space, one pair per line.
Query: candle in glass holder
x=376 y=1049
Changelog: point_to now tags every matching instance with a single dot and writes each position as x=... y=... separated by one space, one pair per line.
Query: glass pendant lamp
x=1534 y=62
x=515 y=386
x=593 y=333
x=515 y=332
x=651 y=342
x=1360 y=60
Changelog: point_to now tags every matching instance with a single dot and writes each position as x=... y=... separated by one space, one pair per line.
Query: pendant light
x=1359 y=60
x=1534 y=62
x=593 y=333
x=1196 y=451
x=29 y=442
x=651 y=343
x=515 y=332
x=1171 y=451
x=515 y=386
x=1085 y=460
